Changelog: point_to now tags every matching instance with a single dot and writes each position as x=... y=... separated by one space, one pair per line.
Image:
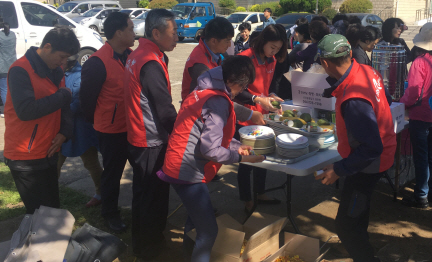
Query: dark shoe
x=93 y=202
x=217 y=178
x=273 y=201
x=414 y=202
x=115 y=224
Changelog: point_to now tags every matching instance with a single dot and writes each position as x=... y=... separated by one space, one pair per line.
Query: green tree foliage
x=240 y=9
x=274 y=6
x=165 y=4
x=143 y=3
x=304 y=5
x=229 y=4
x=356 y=6
x=329 y=13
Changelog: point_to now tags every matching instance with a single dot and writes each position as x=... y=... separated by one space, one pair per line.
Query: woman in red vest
x=269 y=47
x=201 y=142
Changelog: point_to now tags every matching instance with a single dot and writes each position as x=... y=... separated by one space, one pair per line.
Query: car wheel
x=84 y=55
x=94 y=28
x=181 y=38
x=198 y=35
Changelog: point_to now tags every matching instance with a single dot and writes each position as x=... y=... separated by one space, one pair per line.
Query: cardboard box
x=398 y=114
x=288 y=105
x=306 y=248
x=261 y=231
x=307 y=89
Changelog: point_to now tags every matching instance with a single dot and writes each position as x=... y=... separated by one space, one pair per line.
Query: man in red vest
x=150 y=119
x=102 y=102
x=367 y=141
x=38 y=118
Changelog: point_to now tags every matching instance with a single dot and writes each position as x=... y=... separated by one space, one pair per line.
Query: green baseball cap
x=328 y=46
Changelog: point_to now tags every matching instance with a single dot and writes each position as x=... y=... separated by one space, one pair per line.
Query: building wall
x=406 y=10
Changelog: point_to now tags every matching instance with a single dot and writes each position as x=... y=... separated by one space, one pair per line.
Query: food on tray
x=312 y=127
x=295 y=123
x=323 y=122
x=276 y=104
x=306 y=117
x=243 y=247
x=289 y=113
x=289 y=259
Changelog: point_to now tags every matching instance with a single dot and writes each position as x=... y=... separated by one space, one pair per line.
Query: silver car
x=139 y=24
x=94 y=18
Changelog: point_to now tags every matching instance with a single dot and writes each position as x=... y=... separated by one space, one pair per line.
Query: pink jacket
x=420 y=75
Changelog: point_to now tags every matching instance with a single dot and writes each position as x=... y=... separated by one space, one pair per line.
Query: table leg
x=398 y=160
x=288 y=203
x=386 y=175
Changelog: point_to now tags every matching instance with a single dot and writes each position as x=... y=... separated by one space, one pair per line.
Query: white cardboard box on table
x=306 y=248
x=288 y=105
x=398 y=114
x=307 y=89
x=261 y=232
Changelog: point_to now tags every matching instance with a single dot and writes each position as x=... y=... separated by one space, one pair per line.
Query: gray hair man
x=150 y=119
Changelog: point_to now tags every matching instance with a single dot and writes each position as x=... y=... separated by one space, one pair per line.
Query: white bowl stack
x=292 y=145
x=261 y=138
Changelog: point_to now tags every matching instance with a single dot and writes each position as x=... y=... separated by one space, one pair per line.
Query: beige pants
x=91 y=163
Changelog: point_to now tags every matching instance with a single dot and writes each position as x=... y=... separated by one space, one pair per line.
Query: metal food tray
x=283 y=129
x=275 y=157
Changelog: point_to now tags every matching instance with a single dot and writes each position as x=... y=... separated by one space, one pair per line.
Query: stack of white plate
x=261 y=138
x=323 y=141
x=292 y=145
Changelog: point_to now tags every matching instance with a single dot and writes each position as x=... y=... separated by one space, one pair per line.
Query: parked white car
x=94 y=18
x=254 y=18
x=139 y=24
x=31 y=20
x=134 y=12
x=75 y=8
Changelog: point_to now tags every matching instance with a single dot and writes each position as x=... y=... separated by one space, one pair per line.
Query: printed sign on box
x=307 y=89
x=398 y=114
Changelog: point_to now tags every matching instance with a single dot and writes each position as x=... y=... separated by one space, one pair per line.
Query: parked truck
x=191 y=19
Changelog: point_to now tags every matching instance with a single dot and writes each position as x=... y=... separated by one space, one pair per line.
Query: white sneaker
x=2 y=115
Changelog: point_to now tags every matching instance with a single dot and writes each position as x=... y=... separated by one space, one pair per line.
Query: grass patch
x=11 y=206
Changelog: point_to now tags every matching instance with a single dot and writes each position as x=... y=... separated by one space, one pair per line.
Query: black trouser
x=150 y=196
x=113 y=148
x=37 y=184
x=352 y=219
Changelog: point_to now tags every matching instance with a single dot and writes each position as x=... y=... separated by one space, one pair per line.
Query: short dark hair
x=352 y=34
x=238 y=70
x=320 y=18
x=302 y=21
x=271 y=33
x=304 y=31
x=244 y=26
x=252 y=37
x=418 y=51
x=318 y=29
x=369 y=33
x=339 y=17
x=354 y=20
x=115 y=21
x=219 y=28
x=388 y=26
x=268 y=10
x=63 y=39
x=157 y=19
x=339 y=61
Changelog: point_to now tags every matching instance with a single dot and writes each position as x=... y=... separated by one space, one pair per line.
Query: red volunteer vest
x=365 y=83
x=109 y=114
x=263 y=77
x=200 y=55
x=189 y=112
x=146 y=51
x=28 y=140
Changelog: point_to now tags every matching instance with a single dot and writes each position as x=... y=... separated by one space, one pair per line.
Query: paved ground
x=314 y=205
